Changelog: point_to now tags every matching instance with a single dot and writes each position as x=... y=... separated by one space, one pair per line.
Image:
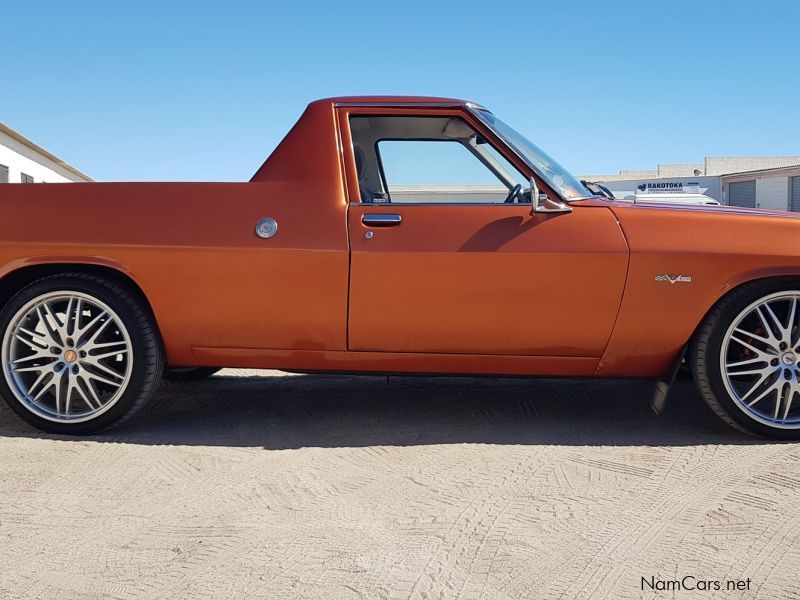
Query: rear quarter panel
x=192 y=249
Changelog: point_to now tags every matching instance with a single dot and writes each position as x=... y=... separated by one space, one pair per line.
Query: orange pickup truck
x=391 y=235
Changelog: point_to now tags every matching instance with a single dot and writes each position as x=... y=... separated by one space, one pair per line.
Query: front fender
x=715 y=252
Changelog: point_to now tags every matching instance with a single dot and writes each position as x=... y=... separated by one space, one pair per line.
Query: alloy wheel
x=760 y=360
x=67 y=356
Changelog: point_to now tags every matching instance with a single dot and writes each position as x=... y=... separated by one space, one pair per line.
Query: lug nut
x=774 y=362
x=783 y=345
x=55 y=350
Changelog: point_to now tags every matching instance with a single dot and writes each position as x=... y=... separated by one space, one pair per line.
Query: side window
x=431 y=160
x=3 y=174
x=25 y=178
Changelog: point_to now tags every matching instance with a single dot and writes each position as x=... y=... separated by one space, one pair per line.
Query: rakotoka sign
x=656 y=187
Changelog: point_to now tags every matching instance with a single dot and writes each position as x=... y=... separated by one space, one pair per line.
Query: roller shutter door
x=742 y=193
x=794 y=195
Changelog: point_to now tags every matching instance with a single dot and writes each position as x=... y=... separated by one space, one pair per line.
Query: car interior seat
x=365 y=191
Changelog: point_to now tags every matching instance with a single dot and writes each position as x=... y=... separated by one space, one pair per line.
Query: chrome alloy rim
x=67 y=357
x=760 y=360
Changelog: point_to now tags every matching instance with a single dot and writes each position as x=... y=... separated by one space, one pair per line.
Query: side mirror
x=541 y=203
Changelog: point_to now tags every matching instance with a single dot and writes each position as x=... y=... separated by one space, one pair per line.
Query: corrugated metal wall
x=794 y=195
x=742 y=193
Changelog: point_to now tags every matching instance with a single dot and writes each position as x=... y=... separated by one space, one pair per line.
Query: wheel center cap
x=71 y=355
x=789 y=358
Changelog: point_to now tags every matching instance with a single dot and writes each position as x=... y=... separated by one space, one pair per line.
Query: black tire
x=146 y=350
x=707 y=345
x=188 y=374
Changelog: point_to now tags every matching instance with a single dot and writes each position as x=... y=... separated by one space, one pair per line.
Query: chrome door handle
x=381 y=220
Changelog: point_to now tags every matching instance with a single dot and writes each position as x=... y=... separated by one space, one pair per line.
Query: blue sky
x=204 y=90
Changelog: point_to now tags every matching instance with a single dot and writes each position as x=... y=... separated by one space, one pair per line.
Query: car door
x=441 y=263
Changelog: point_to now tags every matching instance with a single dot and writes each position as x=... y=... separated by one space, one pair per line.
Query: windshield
x=552 y=172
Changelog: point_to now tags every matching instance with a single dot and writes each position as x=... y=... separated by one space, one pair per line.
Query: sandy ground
x=248 y=486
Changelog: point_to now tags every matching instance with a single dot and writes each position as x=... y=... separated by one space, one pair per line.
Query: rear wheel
x=746 y=359
x=79 y=354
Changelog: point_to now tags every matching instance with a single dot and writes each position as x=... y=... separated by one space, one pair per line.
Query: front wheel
x=746 y=359
x=79 y=354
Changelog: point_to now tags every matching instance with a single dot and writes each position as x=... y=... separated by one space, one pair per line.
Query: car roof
x=393 y=101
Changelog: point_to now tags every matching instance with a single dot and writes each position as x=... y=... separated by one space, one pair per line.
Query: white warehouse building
x=776 y=189
x=769 y=182
x=22 y=161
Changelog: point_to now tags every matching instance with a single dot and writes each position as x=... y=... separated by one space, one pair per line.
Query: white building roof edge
x=762 y=171
x=18 y=137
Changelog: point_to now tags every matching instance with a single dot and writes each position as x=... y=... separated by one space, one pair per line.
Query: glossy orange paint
x=192 y=250
x=719 y=247
x=486 y=280
x=454 y=289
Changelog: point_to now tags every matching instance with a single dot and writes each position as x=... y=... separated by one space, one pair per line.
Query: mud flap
x=663 y=385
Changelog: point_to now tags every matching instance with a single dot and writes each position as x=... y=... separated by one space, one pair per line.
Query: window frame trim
x=347 y=157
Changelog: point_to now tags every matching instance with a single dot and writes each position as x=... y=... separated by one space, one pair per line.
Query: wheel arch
x=13 y=279
x=741 y=281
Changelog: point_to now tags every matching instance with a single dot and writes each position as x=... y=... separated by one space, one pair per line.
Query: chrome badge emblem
x=674 y=278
